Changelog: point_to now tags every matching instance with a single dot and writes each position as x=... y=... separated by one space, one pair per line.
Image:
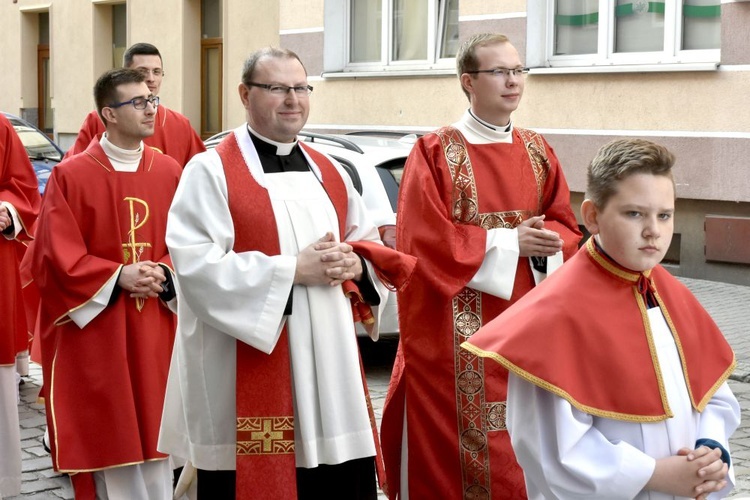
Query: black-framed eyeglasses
x=138 y=102
x=282 y=90
x=504 y=72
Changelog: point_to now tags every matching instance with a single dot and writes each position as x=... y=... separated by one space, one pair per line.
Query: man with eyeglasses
x=271 y=243
x=485 y=208
x=173 y=134
x=102 y=267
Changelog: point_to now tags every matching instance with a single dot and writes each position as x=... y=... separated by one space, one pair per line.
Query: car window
x=38 y=146
x=390 y=185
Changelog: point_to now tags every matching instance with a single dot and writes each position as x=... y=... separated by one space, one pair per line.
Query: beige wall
x=247 y=34
x=300 y=14
x=490 y=7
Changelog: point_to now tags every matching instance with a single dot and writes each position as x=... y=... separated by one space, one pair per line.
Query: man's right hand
x=142 y=279
x=326 y=262
x=535 y=241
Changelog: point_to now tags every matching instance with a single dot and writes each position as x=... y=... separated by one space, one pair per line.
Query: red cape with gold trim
x=583 y=334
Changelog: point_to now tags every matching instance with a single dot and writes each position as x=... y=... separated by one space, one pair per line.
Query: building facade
x=674 y=71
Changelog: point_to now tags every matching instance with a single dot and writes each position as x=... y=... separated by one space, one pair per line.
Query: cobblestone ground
x=729 y=305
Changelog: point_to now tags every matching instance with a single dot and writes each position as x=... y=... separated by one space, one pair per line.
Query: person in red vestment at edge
x=103 y=272
x=618 y=376
x=485 y=208
x=275 y=257
x=173 y=134
x=19 y=206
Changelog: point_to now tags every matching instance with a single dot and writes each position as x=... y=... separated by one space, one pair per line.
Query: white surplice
x=10 y=437
x=226 y=296
x=568 y=454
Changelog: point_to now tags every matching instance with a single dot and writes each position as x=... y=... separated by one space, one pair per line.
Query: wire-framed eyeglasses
x=283 y=90
x=504 y=72
x=138 y=102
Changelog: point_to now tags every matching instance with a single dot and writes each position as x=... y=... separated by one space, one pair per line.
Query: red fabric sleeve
x=449 y=254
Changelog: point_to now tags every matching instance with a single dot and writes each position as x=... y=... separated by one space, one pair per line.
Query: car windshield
x=37 y=145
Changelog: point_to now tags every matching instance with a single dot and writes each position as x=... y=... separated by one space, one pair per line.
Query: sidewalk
x=729 y=305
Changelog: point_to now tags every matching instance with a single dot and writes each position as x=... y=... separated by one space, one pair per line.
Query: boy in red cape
x=618 y=375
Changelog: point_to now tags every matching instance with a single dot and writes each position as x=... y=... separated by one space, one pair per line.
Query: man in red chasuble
x=19 y=206
x=103 y=272
x=485 y=208
x=173 y=135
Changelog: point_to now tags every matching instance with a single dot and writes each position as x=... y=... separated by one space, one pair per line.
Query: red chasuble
x=583 y=335
x=18 y=186
x=265 y=419
x=105 y=382
x=450 y=194
x=173 y=135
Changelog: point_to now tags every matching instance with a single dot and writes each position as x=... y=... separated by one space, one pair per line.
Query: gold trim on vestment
x=265 y=435
x=114 y=466
x=97 y=161
x=558 y=391
x=475 y=415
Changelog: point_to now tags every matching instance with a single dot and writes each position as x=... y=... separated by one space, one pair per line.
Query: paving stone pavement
x=728 y=304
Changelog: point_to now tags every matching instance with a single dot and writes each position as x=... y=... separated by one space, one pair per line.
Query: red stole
x=583 y=335
x=265 y=423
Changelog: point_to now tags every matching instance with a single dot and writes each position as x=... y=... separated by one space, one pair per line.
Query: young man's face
x=279 y=118
x=151 y=67
x=635 y=227
x=494 y=98
x=130 y=123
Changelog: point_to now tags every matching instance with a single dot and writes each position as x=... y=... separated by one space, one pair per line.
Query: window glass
x=409 y=30
x=365 y=30
x=449 y=41
x=576 y=27
x=701 y=24
x=639 y=26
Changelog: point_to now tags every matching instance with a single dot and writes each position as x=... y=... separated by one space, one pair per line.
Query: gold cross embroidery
x=133 y=249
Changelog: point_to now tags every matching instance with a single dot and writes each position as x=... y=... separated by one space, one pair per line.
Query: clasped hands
x=327 y=262
x=5 y=219
x=691 y=473
x=143 y=279
x=535 y=241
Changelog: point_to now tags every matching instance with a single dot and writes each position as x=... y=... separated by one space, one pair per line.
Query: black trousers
x=352 y=480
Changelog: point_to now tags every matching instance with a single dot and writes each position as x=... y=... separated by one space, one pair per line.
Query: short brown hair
x=139 y=49
x=105 y=89
x=620 y=159
x=466 y=58
x=248 y=68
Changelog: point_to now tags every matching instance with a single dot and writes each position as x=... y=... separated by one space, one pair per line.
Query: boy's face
x=635 y=226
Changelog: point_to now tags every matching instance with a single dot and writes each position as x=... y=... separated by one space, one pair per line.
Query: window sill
x=630 y=68
x=388 y=73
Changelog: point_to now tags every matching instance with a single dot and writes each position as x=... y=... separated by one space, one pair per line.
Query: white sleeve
x=240 y=294
x=564 y=455
x=719 y=421
x=497 y=274
x=83 y=315
x=361 y=227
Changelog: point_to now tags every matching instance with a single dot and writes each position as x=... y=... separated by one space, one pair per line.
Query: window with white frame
x=401 y=34
x=612 y=32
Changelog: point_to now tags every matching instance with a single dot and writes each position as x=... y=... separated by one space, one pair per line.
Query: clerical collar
x=122 y=160
x=279 y=148
x=478 y=131
x=490 y=126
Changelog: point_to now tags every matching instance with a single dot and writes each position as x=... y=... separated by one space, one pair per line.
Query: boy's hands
x=690 y=473
x=714 y=474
